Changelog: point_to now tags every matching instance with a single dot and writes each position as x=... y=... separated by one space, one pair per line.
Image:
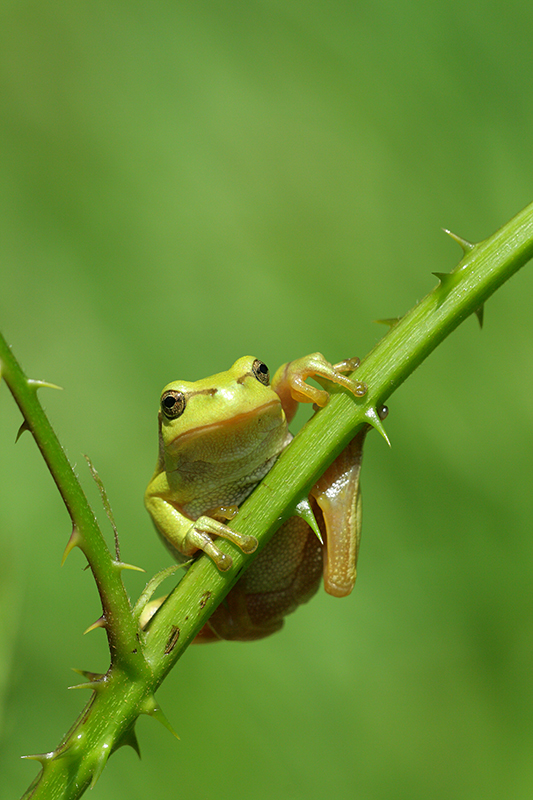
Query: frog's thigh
x=286 y=574
x=231 y=621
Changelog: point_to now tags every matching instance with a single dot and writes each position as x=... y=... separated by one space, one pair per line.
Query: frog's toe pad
x=222 y=560
x=248 y=544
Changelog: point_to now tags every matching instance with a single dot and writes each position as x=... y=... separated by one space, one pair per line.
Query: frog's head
x=233 y=403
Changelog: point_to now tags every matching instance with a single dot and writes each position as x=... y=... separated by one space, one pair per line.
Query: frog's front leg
x=187 y=536
x=290 y=385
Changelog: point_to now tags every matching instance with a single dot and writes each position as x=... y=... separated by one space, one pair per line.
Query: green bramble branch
x=140 y=660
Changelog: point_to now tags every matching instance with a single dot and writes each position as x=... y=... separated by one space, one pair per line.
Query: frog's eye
x=173 y=404
x=260 y=371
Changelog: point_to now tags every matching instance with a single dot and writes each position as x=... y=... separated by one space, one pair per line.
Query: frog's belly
x=217 y=477
x=207 y=497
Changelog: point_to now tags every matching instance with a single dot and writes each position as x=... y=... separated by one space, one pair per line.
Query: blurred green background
x=183 y=183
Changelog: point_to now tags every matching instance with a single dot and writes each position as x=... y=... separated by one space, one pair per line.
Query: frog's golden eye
x=173 y=404
x=260 y=371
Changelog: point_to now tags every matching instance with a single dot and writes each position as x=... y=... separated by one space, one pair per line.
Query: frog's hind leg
x=338 y=496
x=286 y=574
x=231 y=621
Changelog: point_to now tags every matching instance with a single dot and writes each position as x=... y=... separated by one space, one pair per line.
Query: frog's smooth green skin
x=218 y=437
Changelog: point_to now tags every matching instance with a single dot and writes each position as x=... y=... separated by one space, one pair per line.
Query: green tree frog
x=218 y=437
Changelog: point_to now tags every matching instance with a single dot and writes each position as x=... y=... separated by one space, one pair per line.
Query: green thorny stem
x=141 y=660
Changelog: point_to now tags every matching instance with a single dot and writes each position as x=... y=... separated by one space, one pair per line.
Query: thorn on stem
x=101 y=761
x=129 y=739
x=94 y=687
x=100 y=623
x=375 y=420
x=42 y=758
x=390 y=321
x=120 y=565
x=43 y=384
x=96 y=680
x=23 y=427
x=75 y=540
x=154 y=710
x=91 y=676
x=304 y=510
x=447 y=282
x=464 y=244
x=446 y=279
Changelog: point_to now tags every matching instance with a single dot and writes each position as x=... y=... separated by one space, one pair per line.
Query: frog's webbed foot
x=347 y=365
x=290 y=381
x=335 y=373
x=198 y=537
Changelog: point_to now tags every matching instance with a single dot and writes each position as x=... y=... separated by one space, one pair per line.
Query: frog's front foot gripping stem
x=295 y=374
x=199 y=537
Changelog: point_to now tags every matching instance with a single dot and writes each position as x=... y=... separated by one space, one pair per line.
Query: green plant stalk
x=86 y=533
x=108 y=720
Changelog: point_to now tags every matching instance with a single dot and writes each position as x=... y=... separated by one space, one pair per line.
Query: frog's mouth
x=267 y=416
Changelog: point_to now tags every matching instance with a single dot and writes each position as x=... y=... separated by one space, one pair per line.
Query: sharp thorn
x=91 y=676
x=134 y=743
x=75 y=540
x=120 y=565
x=92 y=686
x=100 y=623
x=447 y=281
x=445 y=278
x=390 y=321
x=23 y=427
x=154 y=710
x=304 y=510
x=101 y=761
x=43 y=384
x=374 y=419
x=465 y=245
x=42 y=758
x=129 y=739
x=96 y=680
x=480 y=313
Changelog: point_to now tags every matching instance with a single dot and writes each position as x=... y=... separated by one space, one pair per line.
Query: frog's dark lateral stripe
x=211 y=391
